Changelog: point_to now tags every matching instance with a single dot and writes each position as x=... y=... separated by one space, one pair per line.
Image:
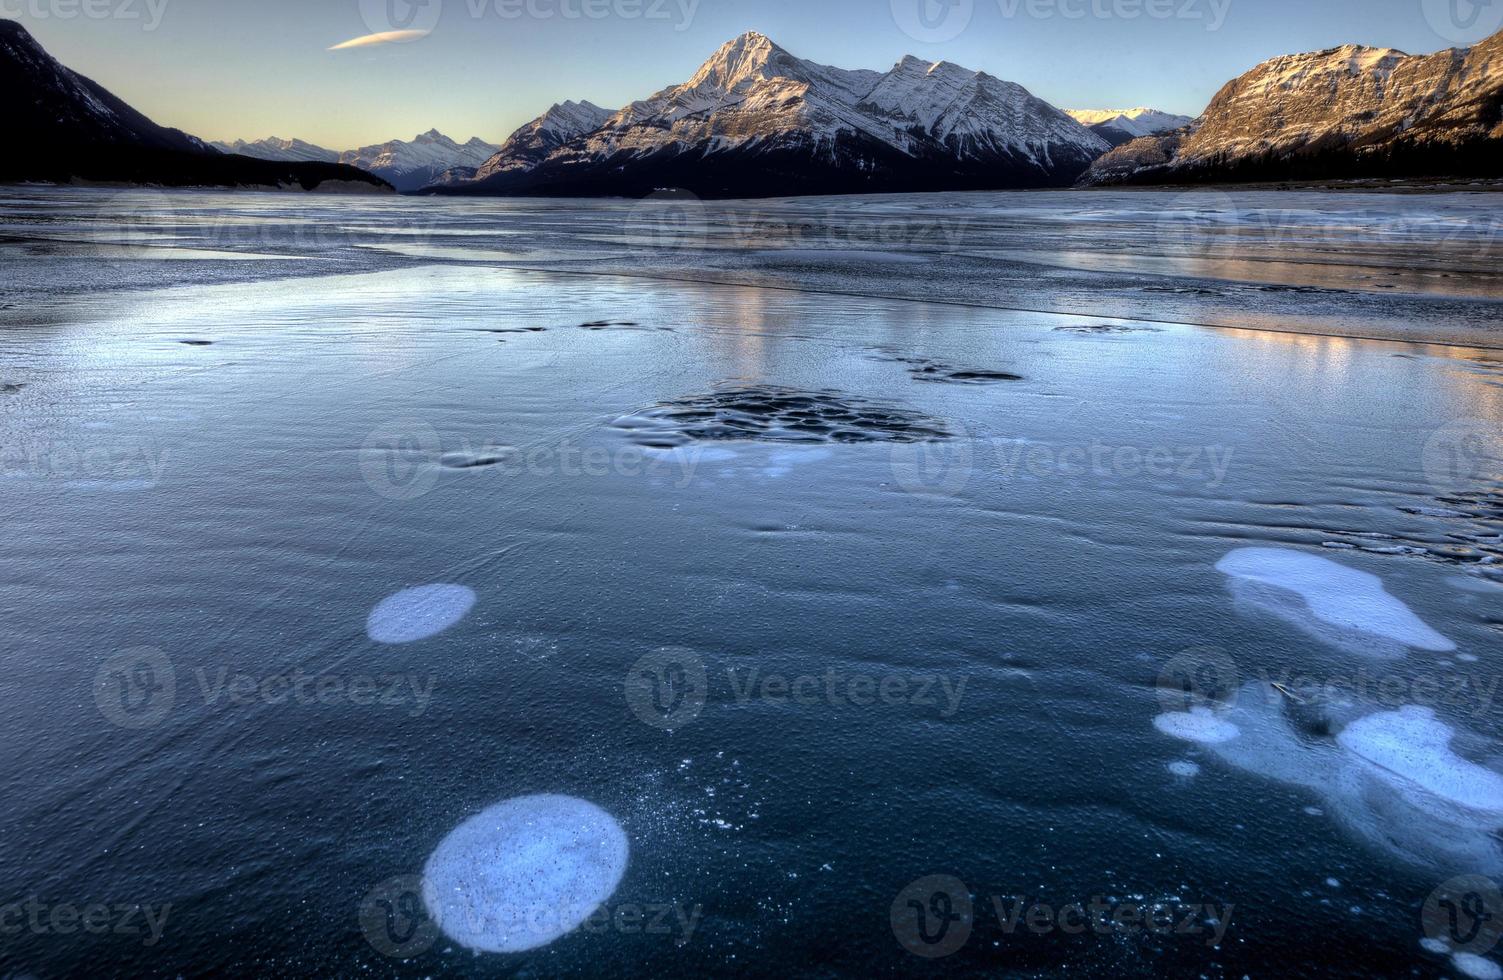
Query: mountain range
x=1118 y=126
x=406 y=165
x=754 y=121
x=1349 y=112
x=61 y=126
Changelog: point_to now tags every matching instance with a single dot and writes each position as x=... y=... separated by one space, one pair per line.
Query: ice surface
x=1349 y=600
x=420 y=613
x=524 y=873
x=1032 y=580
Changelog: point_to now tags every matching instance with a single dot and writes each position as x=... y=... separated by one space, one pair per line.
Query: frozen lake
x=850 y=564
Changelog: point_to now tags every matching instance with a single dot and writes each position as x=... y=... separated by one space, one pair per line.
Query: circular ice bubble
x=1472 y=965
x=417 y=614
x=523 y=873
x=1196 y=725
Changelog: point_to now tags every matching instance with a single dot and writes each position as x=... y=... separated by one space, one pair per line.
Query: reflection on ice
x=1335 y=604
x=1391 y=778
x=523 y=873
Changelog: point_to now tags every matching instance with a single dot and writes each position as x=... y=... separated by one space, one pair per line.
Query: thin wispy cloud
x=384 y=37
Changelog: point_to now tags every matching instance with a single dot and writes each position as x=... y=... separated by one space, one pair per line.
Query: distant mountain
x=410 y=166
x=757 y=121
x=1349 y=112
x=60 y=126
x=287 y=151
x=1118 y=126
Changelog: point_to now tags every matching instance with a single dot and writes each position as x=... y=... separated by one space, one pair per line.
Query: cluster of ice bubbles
x=1392 y=778
x=527 y=871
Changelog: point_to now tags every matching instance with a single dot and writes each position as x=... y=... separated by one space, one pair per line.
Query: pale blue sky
x=223 y=69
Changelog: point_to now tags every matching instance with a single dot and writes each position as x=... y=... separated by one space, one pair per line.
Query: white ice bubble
x=1185 y=770
x=1412 y=744
x=417 y=614
x=524 y=872
x=1348 y=600
x=1474 y=966
x=1389 y=778
x=1436 y=946
x=1196 y=725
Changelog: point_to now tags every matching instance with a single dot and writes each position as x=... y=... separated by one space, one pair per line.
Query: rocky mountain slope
x=60 y=126
x=757 y=121
x=1350 y=112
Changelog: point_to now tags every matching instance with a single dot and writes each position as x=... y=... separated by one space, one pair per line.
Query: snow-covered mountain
x=1118 y=126
x=1346 y=112
x=530 y=145
x=60 y=126
x=754 y=120
x=279 y=149
x=409 y=166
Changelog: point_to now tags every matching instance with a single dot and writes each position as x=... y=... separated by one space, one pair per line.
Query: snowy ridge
x=1134 y=123
x=411 y=165
x=530 y=145
x=752 y=99
x=272 y=148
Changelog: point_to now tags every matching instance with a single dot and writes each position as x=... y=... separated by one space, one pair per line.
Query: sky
x=247 y=69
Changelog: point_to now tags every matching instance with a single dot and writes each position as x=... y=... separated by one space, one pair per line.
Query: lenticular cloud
x=523 y=873
x=1339 y=605
x=418 y=614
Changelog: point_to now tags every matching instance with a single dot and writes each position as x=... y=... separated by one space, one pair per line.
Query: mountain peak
x=748 y=57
